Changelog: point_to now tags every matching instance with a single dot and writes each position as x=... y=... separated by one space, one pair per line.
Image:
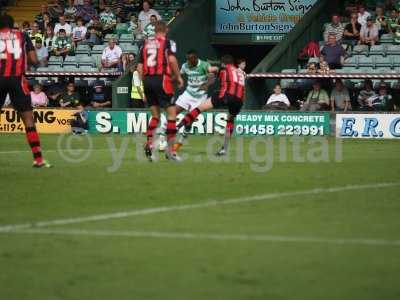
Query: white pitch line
x=210 y=236
x=210 y=203
x=50 y=151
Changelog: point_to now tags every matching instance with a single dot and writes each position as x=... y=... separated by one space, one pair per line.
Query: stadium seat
x=366 y=61
x=129 y=48
x=386 y=39
x=71 y=68
x=393 y=50
x=360 y=50
x=121 y=28
x=82 y=49
x=97 y=60
x=84 y=60
x=111 y=36
x=365 y=69
x=98 y=49
x=69 y=61
x=378 y=50
x=395 y=60
x=351 y=61
x=55 y=60
x=126 y=38
x=383 y=61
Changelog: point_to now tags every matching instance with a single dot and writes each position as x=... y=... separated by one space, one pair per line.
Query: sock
x=228 y=133
x=189 y=118
x=171 y=133
x=33 y=140
x=150 y=130
x=163 y=128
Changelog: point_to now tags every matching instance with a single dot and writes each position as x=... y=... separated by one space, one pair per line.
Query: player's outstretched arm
x=140 y=71
x=212 y=69
x=175 y=70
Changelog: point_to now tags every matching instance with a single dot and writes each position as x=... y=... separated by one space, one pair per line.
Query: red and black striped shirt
x=154 y=56
x=232 y=81
x=14 y=45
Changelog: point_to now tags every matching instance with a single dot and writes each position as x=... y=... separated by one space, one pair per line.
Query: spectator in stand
x=389 y=4
x=352 y=6
x=46 y=22
x=306 y=83
x=108 y=20
x=396 y=33
x=333 y=53
x=393 y=20
x=70 y=11
x=369 y=34
x=38 y=98
x=123 y=10
x=55 y=10
x=352 y=30
x=384 y=101
x=63 y=25
x=381 y=102
x=95 y=22
x=366 y=96
x=35 y=32
x=137 y=92
x=340 y=97
x=317 y=99
x=178 y=12
x=79 y=31
x=86 y=11
x=334 y=28
x=70 y=98
x=145 y=14
x=99 y=95
x=93 y=37
x=41 y=53
x=101 y=6
x=111 y=57
x=26 y=27
x=278 y=100
x=128 y=62
x=133 y=25
x=62 y=45
x=49 y=38
x=40 y=17
x=381 y=20
x=323 y=66
x=363 y=15
x=150 y=30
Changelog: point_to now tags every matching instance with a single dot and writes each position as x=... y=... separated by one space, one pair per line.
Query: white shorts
x=188 y=102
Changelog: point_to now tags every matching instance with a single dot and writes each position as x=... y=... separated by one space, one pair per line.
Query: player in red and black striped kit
x=157 y=65
x=231 y=93
x=15 y=49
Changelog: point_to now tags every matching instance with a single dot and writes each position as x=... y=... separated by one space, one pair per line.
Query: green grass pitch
x=282 y=219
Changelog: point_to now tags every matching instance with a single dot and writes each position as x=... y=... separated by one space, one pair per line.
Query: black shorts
x=18 y=90
x=234 y=103
x=158 y=91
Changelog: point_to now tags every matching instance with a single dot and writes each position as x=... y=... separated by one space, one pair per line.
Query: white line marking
x=50 y=151
x=211 y=236
x=211 y=203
